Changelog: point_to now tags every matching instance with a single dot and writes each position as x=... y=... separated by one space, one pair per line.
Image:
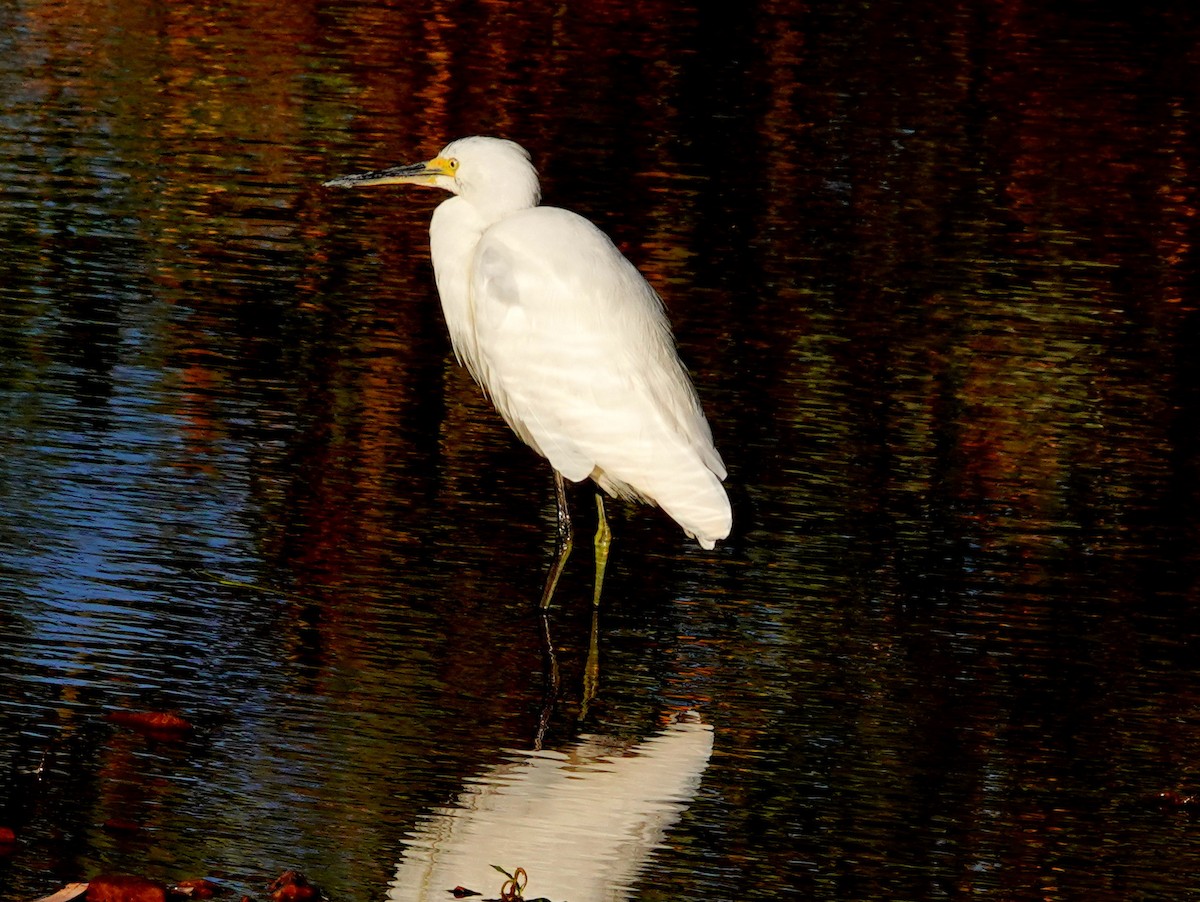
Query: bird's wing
x=576 y=351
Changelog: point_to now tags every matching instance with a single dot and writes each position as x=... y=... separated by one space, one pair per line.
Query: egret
x=568 y=340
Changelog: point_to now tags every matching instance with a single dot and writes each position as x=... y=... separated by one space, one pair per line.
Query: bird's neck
x=453 y=234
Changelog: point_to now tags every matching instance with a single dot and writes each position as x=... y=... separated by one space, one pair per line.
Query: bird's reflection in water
x=581 y=822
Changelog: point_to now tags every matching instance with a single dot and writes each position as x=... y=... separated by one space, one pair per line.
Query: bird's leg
x=550 y=693
x=603 y=541
x=565 y=540
x=591 y=669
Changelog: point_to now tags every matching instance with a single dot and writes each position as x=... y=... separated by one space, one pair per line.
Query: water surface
x=934 y=272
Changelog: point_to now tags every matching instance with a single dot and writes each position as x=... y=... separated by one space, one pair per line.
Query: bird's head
x=493 y=174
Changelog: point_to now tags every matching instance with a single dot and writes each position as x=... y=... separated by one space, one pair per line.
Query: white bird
x=568 y=340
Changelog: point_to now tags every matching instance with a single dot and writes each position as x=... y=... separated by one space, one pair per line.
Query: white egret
x=568 y=340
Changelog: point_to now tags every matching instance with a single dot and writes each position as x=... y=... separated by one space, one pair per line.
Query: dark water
x=934 y=269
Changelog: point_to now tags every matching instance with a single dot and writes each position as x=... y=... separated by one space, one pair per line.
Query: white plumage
x=568 y=340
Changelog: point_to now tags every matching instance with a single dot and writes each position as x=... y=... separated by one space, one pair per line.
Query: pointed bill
x=415 y=174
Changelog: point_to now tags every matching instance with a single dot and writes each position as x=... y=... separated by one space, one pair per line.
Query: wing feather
x=576 y=353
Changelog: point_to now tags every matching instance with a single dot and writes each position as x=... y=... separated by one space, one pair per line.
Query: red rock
x=198 y=888
x=156 y=724
x=125 y=888
x=292 y=886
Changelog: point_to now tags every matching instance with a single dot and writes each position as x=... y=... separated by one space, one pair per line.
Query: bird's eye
x=453 y=164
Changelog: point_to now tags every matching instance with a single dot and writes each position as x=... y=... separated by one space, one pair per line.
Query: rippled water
x=934 y=271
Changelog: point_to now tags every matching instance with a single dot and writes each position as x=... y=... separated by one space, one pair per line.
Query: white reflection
x=581 y=822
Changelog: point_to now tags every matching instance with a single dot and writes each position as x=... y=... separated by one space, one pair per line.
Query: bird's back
x=575 y=351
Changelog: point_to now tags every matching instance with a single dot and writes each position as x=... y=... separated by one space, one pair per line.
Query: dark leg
x=565 y=540
x=550 y=690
